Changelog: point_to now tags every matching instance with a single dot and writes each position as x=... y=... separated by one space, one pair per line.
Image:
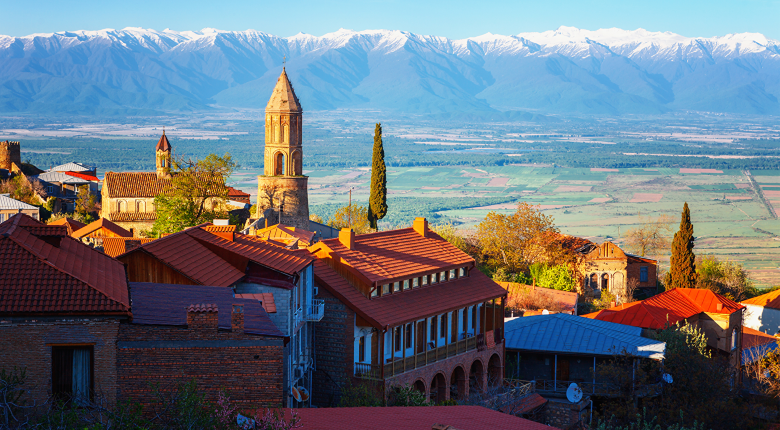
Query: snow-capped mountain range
x=568 y=70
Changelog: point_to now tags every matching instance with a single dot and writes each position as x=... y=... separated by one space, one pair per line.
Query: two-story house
x=280 y=278
x=405 y=307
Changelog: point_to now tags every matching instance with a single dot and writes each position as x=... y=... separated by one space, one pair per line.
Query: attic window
x=463 y=272
x=452 y=274
x=415 y=282
x=433 y=279
x=374 y=292
x=424 y=280
x=385 y=289
x=396 y=287
x=442 y=276
x=406 y=284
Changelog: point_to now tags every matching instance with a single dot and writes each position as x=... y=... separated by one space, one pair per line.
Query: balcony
x=309 y=313
x=597 y=389
x=367 y=371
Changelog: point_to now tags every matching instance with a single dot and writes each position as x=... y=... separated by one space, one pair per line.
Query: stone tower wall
x=283 y=135
x=10 y=152
x=290 y=192
x=163 y=162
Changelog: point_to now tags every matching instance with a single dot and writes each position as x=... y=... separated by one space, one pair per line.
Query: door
x=563 y=369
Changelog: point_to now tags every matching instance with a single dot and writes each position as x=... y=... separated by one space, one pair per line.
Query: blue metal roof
x=563 y=333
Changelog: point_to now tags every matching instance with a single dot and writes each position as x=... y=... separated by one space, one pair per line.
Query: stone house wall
x=334 y=348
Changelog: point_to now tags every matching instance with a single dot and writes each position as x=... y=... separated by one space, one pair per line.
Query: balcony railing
x=597 y=389
x=401 y=365
x=309 y=313
x=367 y=371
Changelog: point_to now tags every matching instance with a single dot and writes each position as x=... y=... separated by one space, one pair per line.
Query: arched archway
x=297 y=164
x=279 y=164
x=495 y=371
x=594 y=281
x=121 y=206
x=458 y=384
x=438 y=389
x=605 y=282
x=476 y=377
x=419 y=385
x=140 y=206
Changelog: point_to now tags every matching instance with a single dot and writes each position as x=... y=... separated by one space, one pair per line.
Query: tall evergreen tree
x=682 y=273
x=377 y=201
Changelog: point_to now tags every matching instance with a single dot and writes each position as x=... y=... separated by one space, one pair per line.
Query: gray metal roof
x=9 y=203
x=71 y=167
x=563 y=333
x=60 y=178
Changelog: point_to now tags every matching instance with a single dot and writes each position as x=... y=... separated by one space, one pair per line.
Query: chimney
x=202 y=317
x=613 y=304
x=237 y=319
x=719 y=307
x=420 y=226
x=347 y=238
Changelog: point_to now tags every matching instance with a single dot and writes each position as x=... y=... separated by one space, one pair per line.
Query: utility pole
x=349 y=208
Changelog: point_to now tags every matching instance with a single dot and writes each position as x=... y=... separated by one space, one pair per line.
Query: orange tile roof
x=116 y=246
x=101 y=223
x=163 y=144
x=412 y=304
x=768 y=300
x=71 y=224
x=238 y=195
x=56 y=277
x=267 y=300
x=752 y=338
x=134 y=184
x=286 y=234
x=220 y=228
x=674 y=305
x=83 y=176
x=132 y=216
x=394 y=255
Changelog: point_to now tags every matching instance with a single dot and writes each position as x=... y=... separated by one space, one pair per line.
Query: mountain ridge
x=567 y=70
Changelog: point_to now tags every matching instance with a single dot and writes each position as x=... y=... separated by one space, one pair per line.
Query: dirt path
x=760 y=194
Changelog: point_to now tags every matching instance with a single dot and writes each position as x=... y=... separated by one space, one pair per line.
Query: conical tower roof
x=283 y=98
x=163 y=144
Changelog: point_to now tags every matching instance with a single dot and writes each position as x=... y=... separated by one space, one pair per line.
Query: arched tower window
x=297 y=168
x=286 y=133
x=140 y=206
x=277 y=137
x=279 y=164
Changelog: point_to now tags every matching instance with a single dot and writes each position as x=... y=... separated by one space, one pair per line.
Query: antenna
x=574 y=393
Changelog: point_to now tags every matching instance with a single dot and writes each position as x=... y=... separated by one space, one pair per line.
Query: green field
x=730 y=219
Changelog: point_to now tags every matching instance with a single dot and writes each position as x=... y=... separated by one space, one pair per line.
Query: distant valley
x=529 y=75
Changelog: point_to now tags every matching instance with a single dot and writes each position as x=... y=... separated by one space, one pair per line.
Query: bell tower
x=283 y=186
x=163 y=157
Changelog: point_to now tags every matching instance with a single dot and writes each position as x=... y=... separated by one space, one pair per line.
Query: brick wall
x=280 y=318
x=562 y=414
x=334 y=344
x=248 y=367
x=28 y=344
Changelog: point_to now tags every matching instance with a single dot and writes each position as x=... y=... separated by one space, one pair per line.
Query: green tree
x=682 y=271
x=377 y=201
x=196 y=194
x=86 y=206
x=727 y=278
x=354 y=217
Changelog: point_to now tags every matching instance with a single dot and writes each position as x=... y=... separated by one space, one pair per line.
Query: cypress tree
x=682 y=271
x=377 y=201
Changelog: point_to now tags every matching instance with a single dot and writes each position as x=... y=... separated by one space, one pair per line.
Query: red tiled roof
x=267 y=299
x=101 y=223
x=672 y=306
x=238 y=195
x=286 y=234
x=393 y=255
x=56 y=277
x=525 y=404
x=412 y=304
x=752 y=338
x=220 y=228
x=134 y=184
x=71 y=224
x=116 y=246
x=203 y=307
x=132 y=216
x=83 y=176
x=163 y=144
x=768 y=300
x=460 y=417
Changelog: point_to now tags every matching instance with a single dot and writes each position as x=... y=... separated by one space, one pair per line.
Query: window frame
x=56 y=388
x=644 y=274
x=443 y=326
x=408 y=336
x=362 y=349
x=398 y=339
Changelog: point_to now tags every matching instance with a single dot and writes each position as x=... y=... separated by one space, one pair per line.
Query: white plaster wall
x=762 y=319
x=362 y=331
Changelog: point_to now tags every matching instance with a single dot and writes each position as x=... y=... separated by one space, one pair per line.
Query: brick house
x=233 y=341
x=607 y=267
x=405 y=307
x=252 y=268
x=61 y=304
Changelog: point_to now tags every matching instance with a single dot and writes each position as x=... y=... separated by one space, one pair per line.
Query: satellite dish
x=296 y=394
x=245 y=422
x=304 y=394
x=668 y=378
x=574 y=393
x=545 y=312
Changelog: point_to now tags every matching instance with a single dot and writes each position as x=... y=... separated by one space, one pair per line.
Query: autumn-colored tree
x=727 y=278
x=682 y=270
x=650 y=237
x=86 y=206
x=196 y=193
x=377 y=200
x=518 y=240
x=354 y=217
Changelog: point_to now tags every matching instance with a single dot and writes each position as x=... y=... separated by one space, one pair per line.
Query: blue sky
x=453 y=18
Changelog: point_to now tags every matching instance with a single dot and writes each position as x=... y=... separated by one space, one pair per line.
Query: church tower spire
x=163 y=157
x=283 y=187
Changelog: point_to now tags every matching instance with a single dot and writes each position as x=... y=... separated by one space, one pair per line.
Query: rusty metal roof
x=99 y=224
x=44 y=271
x=768 y=300
x=116 y=246
x=71 y=224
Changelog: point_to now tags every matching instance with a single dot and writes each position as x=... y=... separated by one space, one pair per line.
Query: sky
x=455 y=19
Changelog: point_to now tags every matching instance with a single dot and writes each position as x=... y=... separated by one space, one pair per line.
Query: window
x=465 y=320
x=474 y=317
x=396 y=287
x=385 y=289
x=462 y=272
x=734 y=339
x=362 y=349
x=643 y=274
x=443 y=326
x=434 y=278
x=442 y=276
x=424 y=280
x=2 y=217
x=35 y=215
x=71 y=372
x=374 y=292
x=415 y=282
x=406 y=284
x=408 y=336
x=452 y=274
x=50 y=189
x=433 y=328
x=397 y=331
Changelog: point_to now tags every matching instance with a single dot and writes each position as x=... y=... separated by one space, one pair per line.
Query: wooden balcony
x=547 y=386
x=400 y=365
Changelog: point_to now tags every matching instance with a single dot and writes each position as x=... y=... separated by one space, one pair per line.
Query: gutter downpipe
x=555 y=374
